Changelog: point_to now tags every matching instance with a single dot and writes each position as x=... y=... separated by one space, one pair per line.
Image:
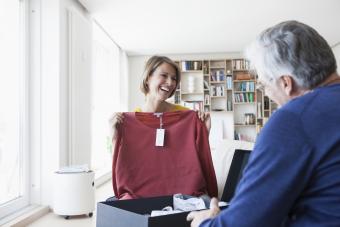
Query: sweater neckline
x=151 y=120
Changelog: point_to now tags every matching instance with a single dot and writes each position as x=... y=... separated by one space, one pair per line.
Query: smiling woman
x=160 y=80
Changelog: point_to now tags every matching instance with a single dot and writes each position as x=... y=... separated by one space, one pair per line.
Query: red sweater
x=182 y=165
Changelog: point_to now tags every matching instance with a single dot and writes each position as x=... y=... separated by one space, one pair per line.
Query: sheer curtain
x=105 y=98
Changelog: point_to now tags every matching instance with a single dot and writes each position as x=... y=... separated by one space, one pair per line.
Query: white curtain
x=106 y=97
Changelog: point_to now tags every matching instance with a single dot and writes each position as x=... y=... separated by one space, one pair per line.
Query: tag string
x=161 y=122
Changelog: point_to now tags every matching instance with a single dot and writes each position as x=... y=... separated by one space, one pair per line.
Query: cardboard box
x=243 y=76
x=136 y=212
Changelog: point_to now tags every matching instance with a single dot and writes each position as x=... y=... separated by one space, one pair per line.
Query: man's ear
x=287 y=84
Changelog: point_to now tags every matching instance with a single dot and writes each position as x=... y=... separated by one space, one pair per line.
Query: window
x=105 y=98
x=13 y=107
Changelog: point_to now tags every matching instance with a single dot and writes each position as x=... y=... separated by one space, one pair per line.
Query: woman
x=160 y=80
x=186 y=155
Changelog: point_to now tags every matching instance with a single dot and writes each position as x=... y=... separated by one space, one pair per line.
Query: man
x=293 y=174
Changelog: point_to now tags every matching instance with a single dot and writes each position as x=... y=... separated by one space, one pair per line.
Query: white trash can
x=74 y=194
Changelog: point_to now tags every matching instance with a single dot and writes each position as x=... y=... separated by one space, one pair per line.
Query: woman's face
x=162 y=82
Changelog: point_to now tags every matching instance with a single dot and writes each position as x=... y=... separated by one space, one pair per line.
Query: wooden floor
x=53 y=220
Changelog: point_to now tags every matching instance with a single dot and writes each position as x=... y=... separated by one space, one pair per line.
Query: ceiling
x=143 y=27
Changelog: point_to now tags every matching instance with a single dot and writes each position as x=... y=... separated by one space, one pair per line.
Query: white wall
x=222 y=123
x=78 y=81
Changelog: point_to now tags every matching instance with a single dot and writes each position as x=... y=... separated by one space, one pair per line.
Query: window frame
x=23 y=200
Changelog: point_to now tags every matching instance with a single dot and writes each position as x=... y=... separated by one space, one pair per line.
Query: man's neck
x=332 y=79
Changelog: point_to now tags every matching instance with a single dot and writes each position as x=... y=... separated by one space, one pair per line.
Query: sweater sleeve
x=204 y=154
x=277 y=172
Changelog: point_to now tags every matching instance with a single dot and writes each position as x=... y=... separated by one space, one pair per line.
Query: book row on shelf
x=229 y=83
x=249 y=119
x=206 y=99
x=217 y=90
x=229 y=105
x=191 y=65
x=240 y=64
x=177 y=97
x=248 y=97
x=206 y=65
x=259 y=110
x=245 y=86
x=206 y=84
x=217 y=75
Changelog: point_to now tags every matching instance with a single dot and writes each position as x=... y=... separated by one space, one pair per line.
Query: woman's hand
x=197 y=217
x=205 y=117
x=115 y=119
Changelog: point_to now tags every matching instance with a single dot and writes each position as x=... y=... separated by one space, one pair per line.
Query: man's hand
x=197 y=217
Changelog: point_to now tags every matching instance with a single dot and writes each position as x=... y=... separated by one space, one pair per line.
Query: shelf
x=242 y=103
x=218 y=82
x=222 y=111
x=244 y=91
x=244 y=125
x=240 y=70
x=217 y=67
x=192 y=93
x=192 y=71
x=239 y=81
x=217 y=96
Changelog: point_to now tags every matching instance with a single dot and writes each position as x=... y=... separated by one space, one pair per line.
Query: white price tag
x=160 y=137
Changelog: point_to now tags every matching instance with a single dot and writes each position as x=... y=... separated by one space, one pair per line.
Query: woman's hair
x=295 y=49
x=151 y=65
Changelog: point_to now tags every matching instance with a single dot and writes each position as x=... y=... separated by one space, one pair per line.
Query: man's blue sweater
x=293 y=174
